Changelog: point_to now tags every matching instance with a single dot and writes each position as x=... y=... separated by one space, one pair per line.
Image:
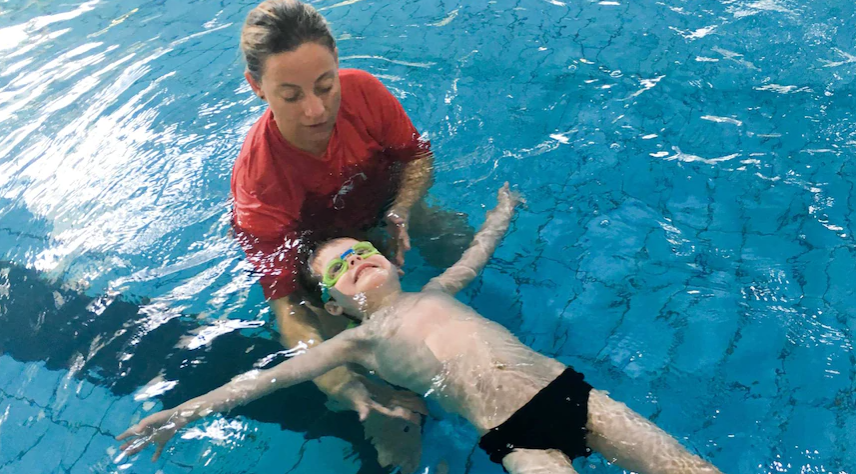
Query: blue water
x=687 y=240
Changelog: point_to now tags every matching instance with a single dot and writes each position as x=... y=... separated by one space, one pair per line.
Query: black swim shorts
x=555 y=418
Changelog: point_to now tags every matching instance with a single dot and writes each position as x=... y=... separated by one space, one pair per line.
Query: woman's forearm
x=415 y=180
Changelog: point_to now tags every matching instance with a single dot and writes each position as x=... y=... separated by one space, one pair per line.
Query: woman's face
x=302 y=89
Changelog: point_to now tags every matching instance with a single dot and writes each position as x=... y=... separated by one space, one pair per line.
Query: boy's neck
x=379 y=303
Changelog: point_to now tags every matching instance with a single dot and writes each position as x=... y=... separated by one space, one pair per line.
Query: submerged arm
x=415 y=180
x=481 y=249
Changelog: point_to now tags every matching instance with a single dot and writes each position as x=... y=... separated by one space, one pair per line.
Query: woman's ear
x=257 y=88
x=333 y=308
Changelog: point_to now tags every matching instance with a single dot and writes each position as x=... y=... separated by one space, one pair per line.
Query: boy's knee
x=537 y=461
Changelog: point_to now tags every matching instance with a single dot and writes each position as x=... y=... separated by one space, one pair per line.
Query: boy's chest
x=417 y=350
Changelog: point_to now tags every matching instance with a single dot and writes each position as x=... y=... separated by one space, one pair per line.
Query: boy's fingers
x=363 y=412
x=130 y=431
x=420 y=407
x=402 y=413
x=411 y=402
x=135 y=448
x=158 y=452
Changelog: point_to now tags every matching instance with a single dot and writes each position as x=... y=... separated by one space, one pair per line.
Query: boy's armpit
x=452 y=280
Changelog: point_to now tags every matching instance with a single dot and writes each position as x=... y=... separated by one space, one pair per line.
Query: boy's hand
x=366 y=397
x=391 y=419
x=155 y=429
x=398 y=442
x=506 y=197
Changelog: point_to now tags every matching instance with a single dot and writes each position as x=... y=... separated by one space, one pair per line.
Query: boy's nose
x=353 y=259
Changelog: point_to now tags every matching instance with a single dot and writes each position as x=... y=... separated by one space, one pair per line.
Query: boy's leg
x=537 y=461
x=626 y=438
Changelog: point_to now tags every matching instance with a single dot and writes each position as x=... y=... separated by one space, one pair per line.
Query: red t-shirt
x=285 y=197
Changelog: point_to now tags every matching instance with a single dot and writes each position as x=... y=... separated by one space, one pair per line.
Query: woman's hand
x=397 y=220
x=155 y=429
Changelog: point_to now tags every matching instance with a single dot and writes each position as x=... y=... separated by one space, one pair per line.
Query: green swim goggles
x=338 y=266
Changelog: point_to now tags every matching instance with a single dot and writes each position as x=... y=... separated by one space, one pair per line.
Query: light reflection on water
x=687 y=240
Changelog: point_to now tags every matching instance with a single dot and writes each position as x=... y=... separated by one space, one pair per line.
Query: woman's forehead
x=305 y=65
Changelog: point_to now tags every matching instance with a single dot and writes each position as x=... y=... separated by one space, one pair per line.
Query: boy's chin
x=373 y=279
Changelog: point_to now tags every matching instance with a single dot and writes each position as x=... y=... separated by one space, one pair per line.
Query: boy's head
x=353 y=274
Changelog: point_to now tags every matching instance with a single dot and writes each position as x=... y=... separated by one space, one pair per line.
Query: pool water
x=687 y=239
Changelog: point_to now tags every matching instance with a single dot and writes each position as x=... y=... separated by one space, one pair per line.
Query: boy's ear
x=333 y=308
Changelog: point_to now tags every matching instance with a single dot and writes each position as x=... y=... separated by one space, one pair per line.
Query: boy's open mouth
x=361 y=269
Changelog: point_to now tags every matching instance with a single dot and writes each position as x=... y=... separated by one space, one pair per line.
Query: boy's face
x=362 y=278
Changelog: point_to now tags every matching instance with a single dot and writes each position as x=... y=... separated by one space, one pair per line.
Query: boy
x=534 y=413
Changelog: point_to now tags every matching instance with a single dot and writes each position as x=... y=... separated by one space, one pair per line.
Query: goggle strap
x=325 y=294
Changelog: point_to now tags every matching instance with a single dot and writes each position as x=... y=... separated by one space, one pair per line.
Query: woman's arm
x=481 y=249
x=415 y=180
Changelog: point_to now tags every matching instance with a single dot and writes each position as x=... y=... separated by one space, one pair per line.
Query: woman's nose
x=313 y=106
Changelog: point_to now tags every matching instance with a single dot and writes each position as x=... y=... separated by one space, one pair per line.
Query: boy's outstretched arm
x=160 y=427
x=481 y=249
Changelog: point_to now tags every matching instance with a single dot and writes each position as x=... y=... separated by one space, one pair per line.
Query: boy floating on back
x=534 y=413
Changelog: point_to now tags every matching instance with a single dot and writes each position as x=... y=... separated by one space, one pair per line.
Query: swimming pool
x=687 y=240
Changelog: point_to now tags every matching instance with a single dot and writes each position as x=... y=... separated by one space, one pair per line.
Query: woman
x=334 y=154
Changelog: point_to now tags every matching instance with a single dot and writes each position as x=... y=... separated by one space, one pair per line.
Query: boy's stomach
x=487 y=374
